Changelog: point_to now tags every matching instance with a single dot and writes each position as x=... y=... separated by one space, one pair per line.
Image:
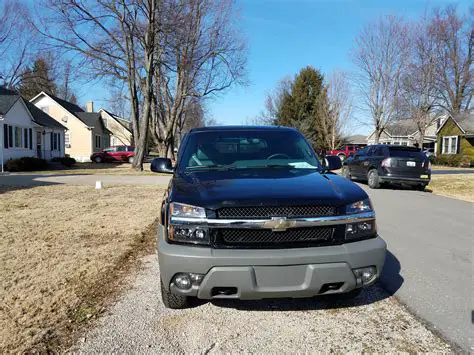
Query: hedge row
x=454 y=160
x=33 y=164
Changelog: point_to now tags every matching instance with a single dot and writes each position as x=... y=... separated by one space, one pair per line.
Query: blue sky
x=285 y=35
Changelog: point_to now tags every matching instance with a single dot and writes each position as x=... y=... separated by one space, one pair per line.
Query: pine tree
x=302 y=107
x=37 y=79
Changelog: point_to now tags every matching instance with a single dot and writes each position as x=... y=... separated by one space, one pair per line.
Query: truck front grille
x=275 y=211
x=266 y=238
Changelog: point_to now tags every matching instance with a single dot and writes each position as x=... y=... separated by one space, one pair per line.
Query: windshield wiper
x=210 y=167
x=270 y=166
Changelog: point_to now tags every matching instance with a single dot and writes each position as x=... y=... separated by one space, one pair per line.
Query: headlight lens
x=188 y=234
x=182 y=210
x=359 y=207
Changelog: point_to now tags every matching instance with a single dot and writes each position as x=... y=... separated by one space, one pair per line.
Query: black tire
x=342 y=157
x=98 y=159
x=170 y=300
x=130 y=160
x=345 y=172
x=420 y=187
x=373 y=179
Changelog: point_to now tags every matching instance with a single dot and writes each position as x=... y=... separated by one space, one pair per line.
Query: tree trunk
x=377 y=135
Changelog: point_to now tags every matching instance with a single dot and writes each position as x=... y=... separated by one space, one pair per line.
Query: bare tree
x=340 y=106
x=380 y=55
x=453 y=37
x=418 y=97
x=204 y=56
x=269 y=115
x=114 y=38
x=15 y=42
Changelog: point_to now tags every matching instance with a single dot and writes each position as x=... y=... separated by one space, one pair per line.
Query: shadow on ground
x=11 y=182
x=390 y=282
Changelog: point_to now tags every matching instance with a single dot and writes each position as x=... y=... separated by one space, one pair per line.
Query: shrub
x=449 y=160
x=26 y=164
x=465 y=162
x=56 y=159
x=67 y=161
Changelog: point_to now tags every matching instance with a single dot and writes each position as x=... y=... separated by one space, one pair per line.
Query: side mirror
x=162 y=165
x=332 y=162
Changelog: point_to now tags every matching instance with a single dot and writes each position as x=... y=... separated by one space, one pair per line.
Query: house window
x=404 y=143
x=25 y=138
x=450 y=145
x=67 y=139
x=31 y=138
x=17 y=137
x=98 y=141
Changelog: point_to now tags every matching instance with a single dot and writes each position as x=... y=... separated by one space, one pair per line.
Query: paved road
x=432 y=237
x=37 y=180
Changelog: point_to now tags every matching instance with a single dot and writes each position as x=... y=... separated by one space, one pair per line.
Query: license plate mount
x=411 y=164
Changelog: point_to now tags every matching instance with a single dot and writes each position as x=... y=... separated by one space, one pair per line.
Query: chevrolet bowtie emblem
x=278 y=224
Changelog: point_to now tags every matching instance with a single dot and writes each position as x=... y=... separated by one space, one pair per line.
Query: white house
x=405 y=132
x=26 y=130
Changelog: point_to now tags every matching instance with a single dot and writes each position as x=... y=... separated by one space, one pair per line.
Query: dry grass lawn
x=459 y=186
x=61 y=248
x=442 y=167
x=97 y=169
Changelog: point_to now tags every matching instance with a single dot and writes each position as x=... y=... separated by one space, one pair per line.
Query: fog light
x=350 y=229
x=196 y=279
x=365 y=275
x=182 y=281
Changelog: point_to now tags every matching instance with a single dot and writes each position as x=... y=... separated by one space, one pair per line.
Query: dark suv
x=379 y=164
x=251 y=213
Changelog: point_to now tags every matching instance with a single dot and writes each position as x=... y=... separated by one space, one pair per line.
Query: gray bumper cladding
x=268 y=273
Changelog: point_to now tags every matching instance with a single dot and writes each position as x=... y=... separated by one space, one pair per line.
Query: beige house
x=120 y=128
x=86 y=130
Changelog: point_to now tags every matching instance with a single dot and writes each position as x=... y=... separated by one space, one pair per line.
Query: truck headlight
x=188 y=234
x=359 y=207
x=183 y=210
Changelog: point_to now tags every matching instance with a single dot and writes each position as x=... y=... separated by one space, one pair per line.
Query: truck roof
x=241 y=128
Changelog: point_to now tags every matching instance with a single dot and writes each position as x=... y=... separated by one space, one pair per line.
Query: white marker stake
x=99 y=185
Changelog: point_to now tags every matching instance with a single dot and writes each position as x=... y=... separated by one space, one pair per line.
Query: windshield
x=247 y=149
x=406 y=152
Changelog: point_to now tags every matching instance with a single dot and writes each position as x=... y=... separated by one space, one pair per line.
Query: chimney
x=90 y=106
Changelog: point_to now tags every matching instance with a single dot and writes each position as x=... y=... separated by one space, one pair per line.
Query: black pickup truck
x=252 y=213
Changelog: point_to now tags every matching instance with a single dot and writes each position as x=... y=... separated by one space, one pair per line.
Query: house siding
x=80 y=136
x=450 y=128
x=120 y=135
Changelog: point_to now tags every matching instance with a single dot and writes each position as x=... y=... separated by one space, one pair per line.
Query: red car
x=346 y=150
x=119 y=153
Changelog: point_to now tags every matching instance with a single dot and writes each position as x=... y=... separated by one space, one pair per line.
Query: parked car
x=345 y=151
x=246 y=217
x=380 y=164
x=119 y=153
x=429 y=152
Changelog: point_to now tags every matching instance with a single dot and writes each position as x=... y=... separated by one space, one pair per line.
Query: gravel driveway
x=139 y=323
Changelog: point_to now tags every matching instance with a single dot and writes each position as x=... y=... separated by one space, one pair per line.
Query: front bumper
x=268 y=273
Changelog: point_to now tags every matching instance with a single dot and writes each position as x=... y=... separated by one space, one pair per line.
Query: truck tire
x=342 y=157
x=373 y=179
x=346 y=173
x=170 y=300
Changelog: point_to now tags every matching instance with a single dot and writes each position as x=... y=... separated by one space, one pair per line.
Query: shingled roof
x=466 y=122
x=9 y=97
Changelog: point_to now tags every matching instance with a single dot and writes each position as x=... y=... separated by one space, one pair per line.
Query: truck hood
x=257 y=187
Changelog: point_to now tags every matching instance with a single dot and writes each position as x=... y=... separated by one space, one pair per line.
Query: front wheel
x=130 y=160
x=342 y=157
x=170 y=300
x=373 y=179
x=98 y=159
